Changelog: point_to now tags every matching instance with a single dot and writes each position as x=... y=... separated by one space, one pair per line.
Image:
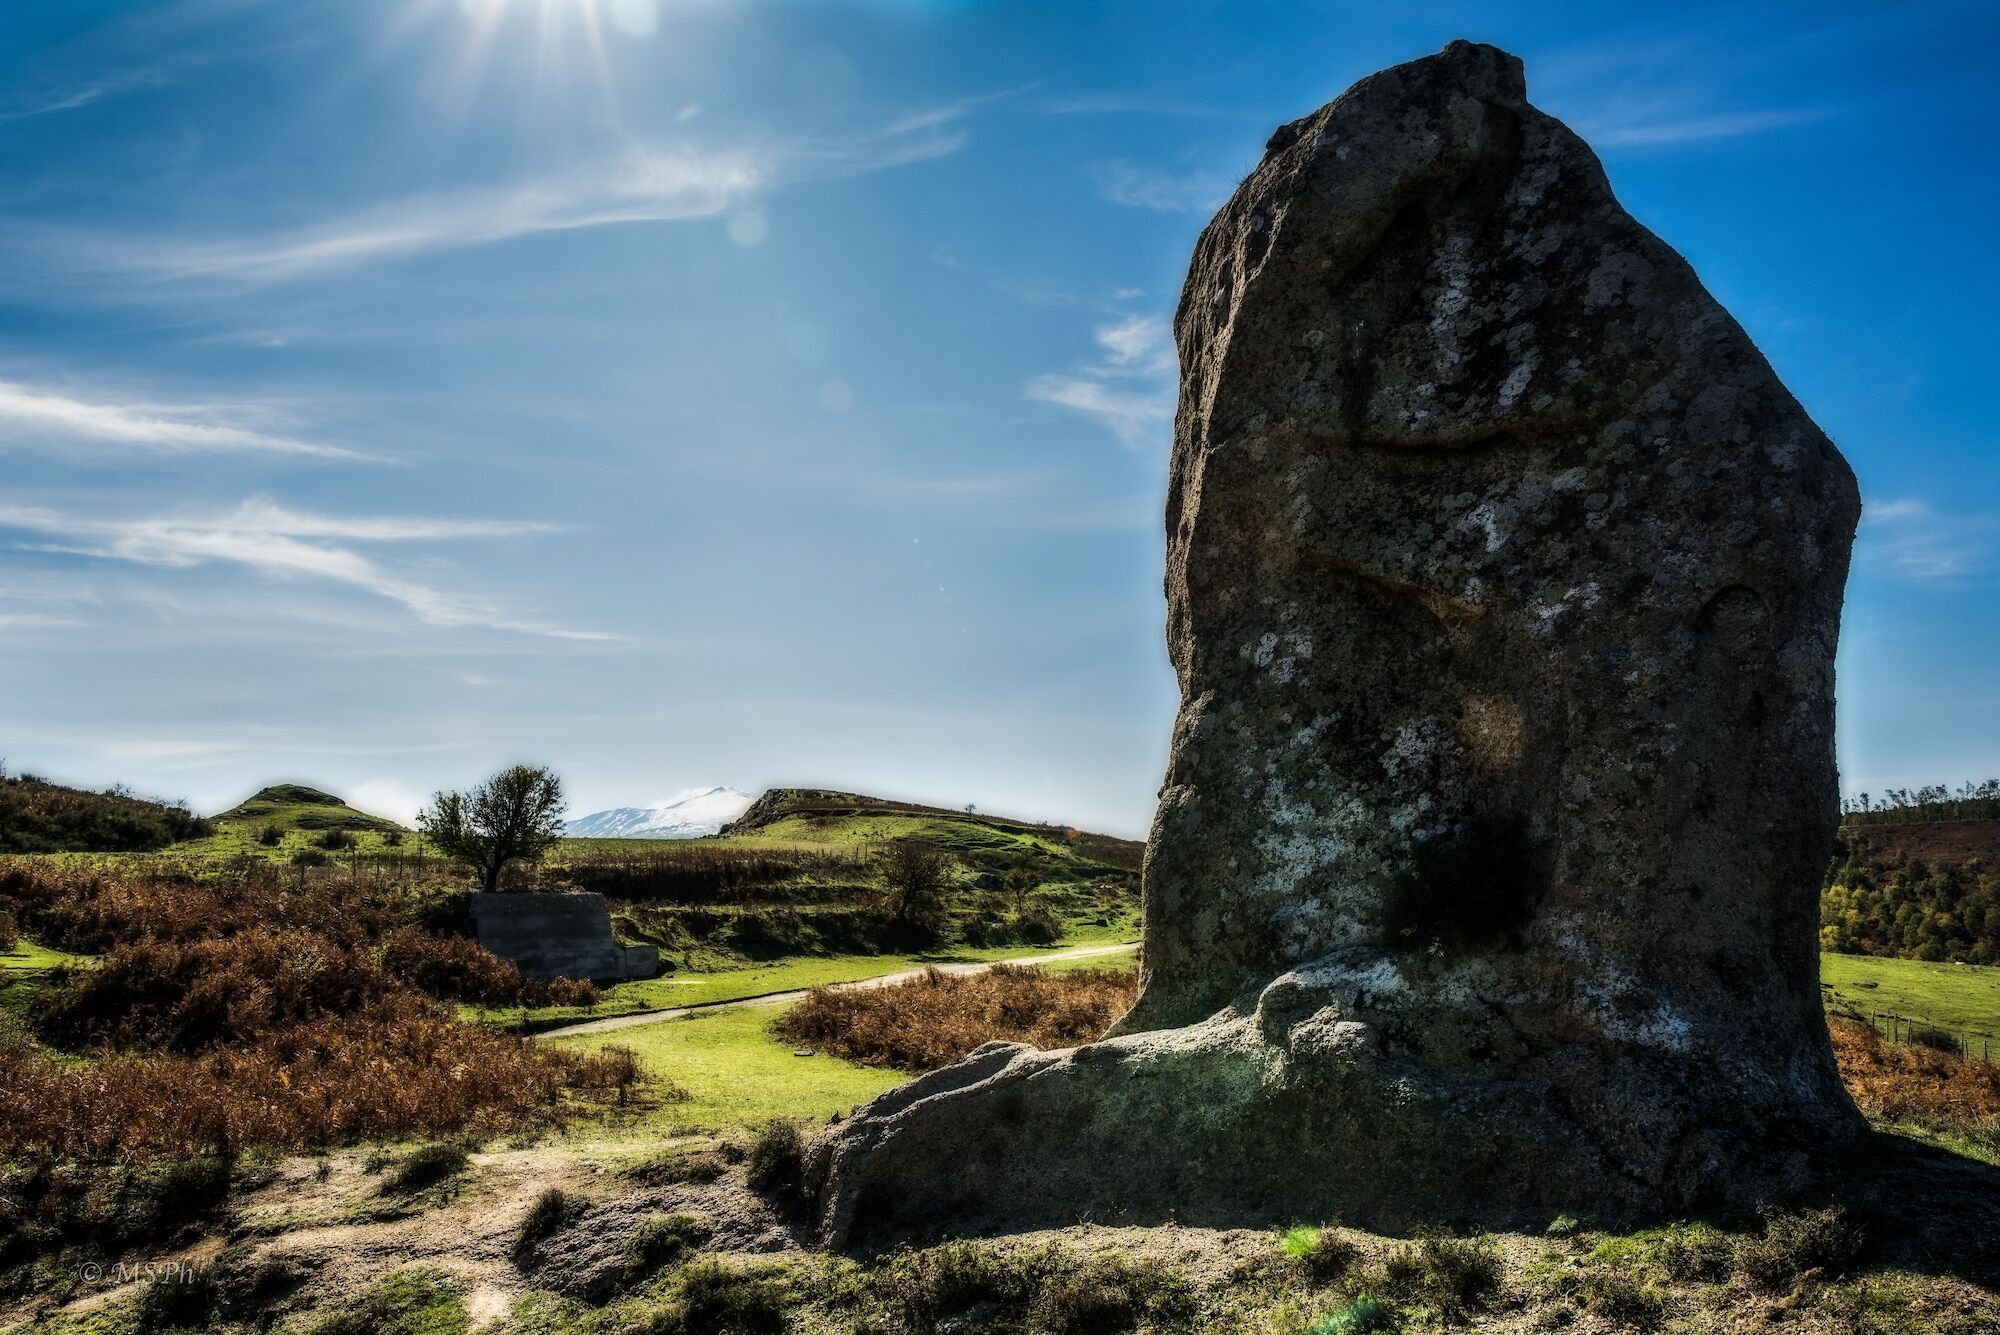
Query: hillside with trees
x=1915 y=876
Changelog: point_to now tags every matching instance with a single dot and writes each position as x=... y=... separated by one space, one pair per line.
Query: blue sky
x=707 y=391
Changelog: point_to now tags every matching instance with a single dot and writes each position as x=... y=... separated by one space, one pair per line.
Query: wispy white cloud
x=1128 y=104
x=644 y=184
x=1648 y=131
x=267 y=538
x=1129 y=389
x=1906 y=539
x=1138 y=187
x=1141 y=344
x=51 y=100
x=32 y=415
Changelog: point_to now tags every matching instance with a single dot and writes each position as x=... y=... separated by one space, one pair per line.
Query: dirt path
x=612 y=1022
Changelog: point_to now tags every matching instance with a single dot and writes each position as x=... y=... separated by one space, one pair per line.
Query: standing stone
x=1503 y=586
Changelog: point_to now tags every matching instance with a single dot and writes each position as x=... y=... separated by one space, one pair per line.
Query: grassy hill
x=37 y=816
x=819 y=815
x=288 y=819
x=801 y=873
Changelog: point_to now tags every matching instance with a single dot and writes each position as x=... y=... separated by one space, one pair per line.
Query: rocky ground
x=560 y=1237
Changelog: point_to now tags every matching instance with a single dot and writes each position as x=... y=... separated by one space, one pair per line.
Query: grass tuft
x=426 y=1166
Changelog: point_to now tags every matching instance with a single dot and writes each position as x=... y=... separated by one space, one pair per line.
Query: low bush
x=1625 y=1300
x=1696 y=1253
x=1322 y=1255
x=776 y=1163
x=10 y=934
x=1796 y=1243
x=270 y=836
x=1051 y=1291
x=191 y=996
x=457 y=968
x=426 y=1166
x=710 y=1298
x=399 y=1068
x=91 y=909
x=923 y=1288
x=1920 y=1086
x=175 y=1299
x=660 y=1243
x=1451 y=1276
x=552 y=1211
x=933 y=1020
x=1108 y=1293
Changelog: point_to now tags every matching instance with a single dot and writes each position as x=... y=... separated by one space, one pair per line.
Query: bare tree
x=514 y=816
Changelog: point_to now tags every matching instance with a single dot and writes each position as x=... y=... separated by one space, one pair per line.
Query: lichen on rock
x=1503 y=587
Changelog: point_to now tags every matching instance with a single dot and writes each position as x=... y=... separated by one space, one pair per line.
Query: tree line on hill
x=1936 y=802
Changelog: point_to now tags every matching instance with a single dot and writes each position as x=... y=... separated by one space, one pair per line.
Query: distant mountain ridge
x=691 y=815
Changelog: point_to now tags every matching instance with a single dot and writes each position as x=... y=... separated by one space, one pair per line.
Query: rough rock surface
x=1504 y=581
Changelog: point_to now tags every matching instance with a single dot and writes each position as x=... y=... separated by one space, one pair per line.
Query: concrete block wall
x=558 y=935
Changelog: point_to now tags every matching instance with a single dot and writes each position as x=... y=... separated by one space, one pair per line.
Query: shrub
x=92 y=909
x=1321 y=1254
x=1621 y=1298
x=177 y=1298
x=933 y=1020
x=1926 y=1088
x=1797 y=1243
x=270 y=836
x=710 y=1298
x=777 y=1163
x=1108 y=1293
x=334 y=840
x=1452 y=1276
x=552 y=1211
x=1696 y=1253
x=310 y=857
x=191 y=996
x=426 y=1166
x=10 y=934
x=399 y=1068
x=458 y=968
x=922 y=1288
x=659 y=1243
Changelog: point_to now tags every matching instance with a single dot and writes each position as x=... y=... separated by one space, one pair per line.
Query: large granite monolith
x=1503 y=585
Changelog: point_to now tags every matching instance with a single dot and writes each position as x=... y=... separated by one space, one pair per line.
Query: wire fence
x=1971 y=1044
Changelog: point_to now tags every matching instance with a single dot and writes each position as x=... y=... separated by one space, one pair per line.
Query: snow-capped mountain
x=688 y=815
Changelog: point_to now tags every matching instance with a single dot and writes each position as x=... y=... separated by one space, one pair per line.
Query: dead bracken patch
x=935 y=1019
x=1917 y=1085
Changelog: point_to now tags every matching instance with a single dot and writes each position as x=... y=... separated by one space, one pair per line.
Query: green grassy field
x=736 y=1073
x=758 y=980
x=1964 y=997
